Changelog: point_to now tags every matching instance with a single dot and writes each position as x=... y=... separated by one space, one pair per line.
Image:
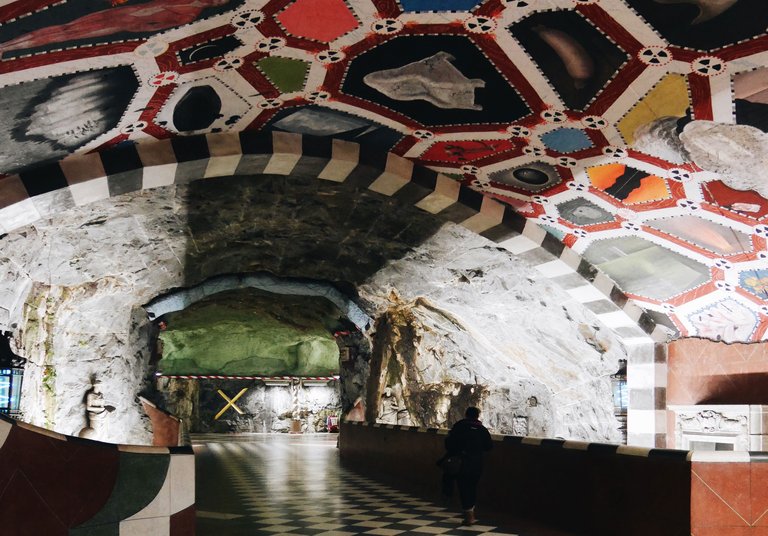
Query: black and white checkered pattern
x=81 y=179
x=282 y=484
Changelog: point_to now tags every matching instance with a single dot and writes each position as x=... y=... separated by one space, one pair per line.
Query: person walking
x=468 y=439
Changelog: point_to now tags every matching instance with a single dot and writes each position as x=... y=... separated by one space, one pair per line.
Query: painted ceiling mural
x=633 y=130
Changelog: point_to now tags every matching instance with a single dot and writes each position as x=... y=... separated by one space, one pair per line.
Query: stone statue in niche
x=432 y=79
x=96 y=409
x=392 y=409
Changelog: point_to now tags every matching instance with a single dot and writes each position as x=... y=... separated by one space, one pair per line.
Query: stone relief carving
x=520 y=426
x=712 y=422
x=713 y=428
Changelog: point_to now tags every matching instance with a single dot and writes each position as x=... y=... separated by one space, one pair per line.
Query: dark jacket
x=469 y=438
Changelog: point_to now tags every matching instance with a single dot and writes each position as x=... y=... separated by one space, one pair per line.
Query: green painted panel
x=110 y=529
x=249 y=332
x=139 y=480
x=286 y=74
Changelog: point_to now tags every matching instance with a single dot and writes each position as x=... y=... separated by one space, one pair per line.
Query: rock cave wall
x=250 y=332
x=266 y=408
x=458 y=319
x=462 y=322
x=74 y=285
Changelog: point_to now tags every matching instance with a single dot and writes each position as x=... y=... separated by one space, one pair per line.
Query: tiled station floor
x=253 y=484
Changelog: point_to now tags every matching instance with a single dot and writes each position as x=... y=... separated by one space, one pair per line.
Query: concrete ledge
x=577 y=487
x=720 y=457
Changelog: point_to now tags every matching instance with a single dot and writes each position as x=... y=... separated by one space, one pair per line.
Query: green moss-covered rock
x=248 y=332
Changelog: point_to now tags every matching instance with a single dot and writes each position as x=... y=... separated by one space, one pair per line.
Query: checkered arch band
x=81 y=179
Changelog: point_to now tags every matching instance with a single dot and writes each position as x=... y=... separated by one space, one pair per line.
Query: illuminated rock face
x=73 y=287
x=265 y=408
x=453 y=313
x=738 y=152
x=246 y=332
x=483 y=328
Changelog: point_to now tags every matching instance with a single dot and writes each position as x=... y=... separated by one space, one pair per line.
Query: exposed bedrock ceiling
x=296 y=226
x=632 y=130
x=75 y=285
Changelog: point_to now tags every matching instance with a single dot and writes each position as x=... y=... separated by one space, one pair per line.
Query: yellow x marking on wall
x=230 y=402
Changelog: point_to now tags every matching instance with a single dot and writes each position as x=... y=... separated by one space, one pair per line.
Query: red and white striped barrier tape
x=223 y=377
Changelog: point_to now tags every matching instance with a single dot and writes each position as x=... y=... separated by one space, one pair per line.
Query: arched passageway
x=623 y=132
x=384 y=225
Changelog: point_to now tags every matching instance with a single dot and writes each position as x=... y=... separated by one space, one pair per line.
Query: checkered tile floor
x=284 y=484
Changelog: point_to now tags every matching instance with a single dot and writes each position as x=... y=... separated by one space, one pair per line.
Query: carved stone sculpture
x=96 y=410
x=392 y=409
x=713 y=422
x=712 y=427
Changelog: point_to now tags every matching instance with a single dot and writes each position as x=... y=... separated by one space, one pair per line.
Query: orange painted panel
x=322 y=20
x=651 y=187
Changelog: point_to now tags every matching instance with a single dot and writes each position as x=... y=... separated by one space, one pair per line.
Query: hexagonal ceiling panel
x=704 y=24
x=436 y=80
x=438 y=5
x=639 y=124
x=321 y=20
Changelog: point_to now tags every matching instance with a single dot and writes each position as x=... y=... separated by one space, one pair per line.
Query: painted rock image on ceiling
x=598 y=122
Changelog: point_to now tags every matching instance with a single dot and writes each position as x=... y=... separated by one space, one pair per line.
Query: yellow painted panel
x=668 y=98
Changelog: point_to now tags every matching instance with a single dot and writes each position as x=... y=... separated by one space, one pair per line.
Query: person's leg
x=447 y=484
x=468 y=494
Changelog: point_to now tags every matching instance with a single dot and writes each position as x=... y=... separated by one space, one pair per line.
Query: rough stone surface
x=739 y=153
x=296 y=227
x=265 y=408
x=242 y=332
x=660 y=138
x=462 y=321
x=71 y=288
x=474 y=316
x=183 y=298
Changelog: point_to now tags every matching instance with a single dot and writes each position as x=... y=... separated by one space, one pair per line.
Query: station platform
x=271 y=484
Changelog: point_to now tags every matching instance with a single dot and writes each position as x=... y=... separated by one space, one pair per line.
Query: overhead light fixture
x=621 y=397
x=277 y=383
x=316 y=383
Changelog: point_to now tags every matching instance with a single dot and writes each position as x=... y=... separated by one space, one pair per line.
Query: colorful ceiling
x=633 y=130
